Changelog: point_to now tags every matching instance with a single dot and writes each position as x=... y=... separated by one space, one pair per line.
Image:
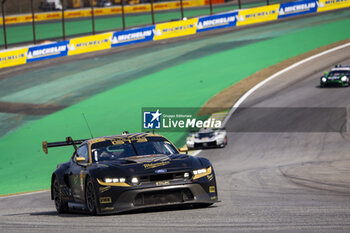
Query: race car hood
x=207 y=139
x=334 y=77
x=148 y=164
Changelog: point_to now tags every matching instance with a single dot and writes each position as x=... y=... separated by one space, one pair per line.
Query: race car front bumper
x=334 y=82
x=118 y=199
x=207 y=144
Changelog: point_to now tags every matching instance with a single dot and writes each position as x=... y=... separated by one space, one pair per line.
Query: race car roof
x=124 y=137
x=341 y=69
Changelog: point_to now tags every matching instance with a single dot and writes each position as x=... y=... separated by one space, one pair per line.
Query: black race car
x=126 y=172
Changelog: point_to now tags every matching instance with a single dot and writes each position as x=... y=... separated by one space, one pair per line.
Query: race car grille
x=204 y=144
x=161 y=177
x=163 y=197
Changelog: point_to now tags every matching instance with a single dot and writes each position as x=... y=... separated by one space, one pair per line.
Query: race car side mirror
x=80 y=159
x=183 y=149
x=325 y=73
x=44 y=144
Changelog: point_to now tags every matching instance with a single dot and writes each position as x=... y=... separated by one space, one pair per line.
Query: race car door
x=77 y=173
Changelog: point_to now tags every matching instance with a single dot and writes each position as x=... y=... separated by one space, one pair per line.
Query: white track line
x=196 y=152
x=24 y=194
x=251 y=91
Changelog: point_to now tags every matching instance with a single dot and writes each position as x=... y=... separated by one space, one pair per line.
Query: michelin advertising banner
x=89 y=44
x=297 y=8
x=13 y=57
x=132 y=36
x=217 y=21
x=258 y=15
x=175 y=29
x=327 y=5
x=37 y=53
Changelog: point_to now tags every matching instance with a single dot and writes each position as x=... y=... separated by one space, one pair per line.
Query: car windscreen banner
x=258 y=15
x=327 y=5
x=217 y=21
x=37 y=53
x=297 y=8
x=132 y=36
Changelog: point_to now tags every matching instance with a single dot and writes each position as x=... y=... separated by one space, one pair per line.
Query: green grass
x=24 y=166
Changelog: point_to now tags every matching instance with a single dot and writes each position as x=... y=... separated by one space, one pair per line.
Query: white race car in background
x=207 y=138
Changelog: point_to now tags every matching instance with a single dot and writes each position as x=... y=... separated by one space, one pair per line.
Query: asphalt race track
x=281 y=181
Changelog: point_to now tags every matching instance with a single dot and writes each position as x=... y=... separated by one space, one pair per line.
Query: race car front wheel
x=90 y=197
x=57 y=196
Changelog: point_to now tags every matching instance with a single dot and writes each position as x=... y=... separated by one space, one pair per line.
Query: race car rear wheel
x=90 y=197
x=57 y=197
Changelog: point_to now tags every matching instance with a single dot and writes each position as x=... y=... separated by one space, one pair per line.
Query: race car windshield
x=338 y=73
x=205 y=135
x=113 y=152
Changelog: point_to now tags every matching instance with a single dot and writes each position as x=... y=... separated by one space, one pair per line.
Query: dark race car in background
x=127 y=172
x=338 y=76
x=207 y=138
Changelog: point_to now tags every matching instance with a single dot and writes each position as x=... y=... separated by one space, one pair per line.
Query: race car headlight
x=201 y=172
x=113 y=182
x=324 y=79
x=134 y=180
x=344 y=79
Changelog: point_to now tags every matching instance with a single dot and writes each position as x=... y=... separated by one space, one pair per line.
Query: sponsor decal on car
x=154 y=165
x=105 y=200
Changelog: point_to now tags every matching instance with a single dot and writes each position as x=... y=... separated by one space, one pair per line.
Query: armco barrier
x=166 y=30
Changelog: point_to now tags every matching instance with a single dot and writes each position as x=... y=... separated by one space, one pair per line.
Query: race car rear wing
x=69 y=142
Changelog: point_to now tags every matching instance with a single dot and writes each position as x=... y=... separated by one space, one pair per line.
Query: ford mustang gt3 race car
x=127 y=172
x=207 y=138
x=339 y=75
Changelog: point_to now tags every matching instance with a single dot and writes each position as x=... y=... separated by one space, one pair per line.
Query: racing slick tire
x=60 y=205
x=90 y=197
